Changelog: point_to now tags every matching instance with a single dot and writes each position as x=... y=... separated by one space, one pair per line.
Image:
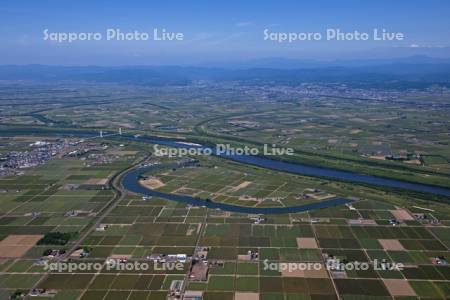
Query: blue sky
x=218 y=31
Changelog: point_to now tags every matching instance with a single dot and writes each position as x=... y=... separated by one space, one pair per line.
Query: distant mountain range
x=286 y=63
x=410 y=72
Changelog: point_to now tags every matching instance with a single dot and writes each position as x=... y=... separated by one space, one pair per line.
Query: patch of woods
x=56 y=238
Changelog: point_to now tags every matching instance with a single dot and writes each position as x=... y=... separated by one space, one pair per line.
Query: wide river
x=268 y=163
x=300 y=169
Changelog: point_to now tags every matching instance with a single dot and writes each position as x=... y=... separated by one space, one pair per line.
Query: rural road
x=115 y=183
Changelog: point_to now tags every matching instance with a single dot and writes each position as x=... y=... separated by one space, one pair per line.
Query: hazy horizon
x=218 y=33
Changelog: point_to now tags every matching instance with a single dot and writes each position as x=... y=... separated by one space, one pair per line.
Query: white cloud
x=222 y=40
x=243 y=24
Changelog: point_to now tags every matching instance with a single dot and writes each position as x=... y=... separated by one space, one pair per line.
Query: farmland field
x=73 y=207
